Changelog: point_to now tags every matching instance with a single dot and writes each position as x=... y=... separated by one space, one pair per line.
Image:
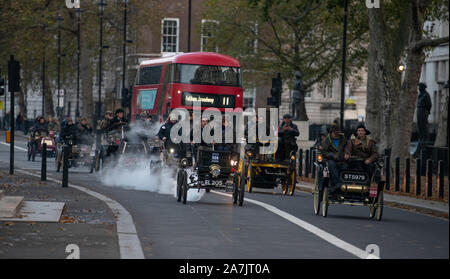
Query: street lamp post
x=43 y=80
x=101 y=5
x=124 y=65
x=77 y=112
x=189 y=25
x=344 y=52
x=59 y=19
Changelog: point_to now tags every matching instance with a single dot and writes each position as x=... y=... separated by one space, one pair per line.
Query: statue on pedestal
x=423 y=110
x=298 y=98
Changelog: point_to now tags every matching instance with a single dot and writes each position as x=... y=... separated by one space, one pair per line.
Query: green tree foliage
x=27 y=28
x=287 y=36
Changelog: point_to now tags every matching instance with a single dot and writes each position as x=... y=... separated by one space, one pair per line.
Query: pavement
x=432 y=207
x=85 y=221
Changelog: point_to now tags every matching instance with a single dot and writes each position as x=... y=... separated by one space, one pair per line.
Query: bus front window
x=208 y=75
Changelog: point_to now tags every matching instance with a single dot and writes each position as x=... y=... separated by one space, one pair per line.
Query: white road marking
x=17 y=147
x=129 y=243
x=311 y=228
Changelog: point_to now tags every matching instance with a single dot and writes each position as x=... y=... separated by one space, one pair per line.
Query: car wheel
x=242 y=188
x=325 y=202
x=180 y=178
x=318 y=195
x=250 y=178
x=292 y=182
x=380 y=206
x=236 y=179
x=184 y=187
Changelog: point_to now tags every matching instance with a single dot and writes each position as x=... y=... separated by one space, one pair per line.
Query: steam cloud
x=132 y=171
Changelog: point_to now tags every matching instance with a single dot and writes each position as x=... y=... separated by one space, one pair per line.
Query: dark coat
x=330 y=152
x=84 y=133
x=424 y=101
x=117 y=123
x=69 y=131
x=355 y=148
x=288 y=135
x=40 y=127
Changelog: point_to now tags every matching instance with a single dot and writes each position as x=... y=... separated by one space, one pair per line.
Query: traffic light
x=125 y=98
x=2 y=84
x=275 y=92
x=13 y=75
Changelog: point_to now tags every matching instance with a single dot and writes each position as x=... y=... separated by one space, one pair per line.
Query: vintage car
x=356 y=186
x=208 y=168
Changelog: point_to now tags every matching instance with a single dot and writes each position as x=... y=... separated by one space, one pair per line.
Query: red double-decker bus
x=178 y=81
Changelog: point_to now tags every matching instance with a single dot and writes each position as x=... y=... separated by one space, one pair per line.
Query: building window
x=170 y=32
x=208 y=29
x=249 y=98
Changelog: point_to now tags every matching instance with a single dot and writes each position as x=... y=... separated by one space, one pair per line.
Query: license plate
x=373 y=192
x=208 y=182
x=353 y=177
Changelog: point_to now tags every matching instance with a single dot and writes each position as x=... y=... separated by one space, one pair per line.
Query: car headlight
x=172 y=150
x=184 y=162
x=319 y=158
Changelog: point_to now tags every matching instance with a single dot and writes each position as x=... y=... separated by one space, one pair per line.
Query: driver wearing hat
x=361 y=146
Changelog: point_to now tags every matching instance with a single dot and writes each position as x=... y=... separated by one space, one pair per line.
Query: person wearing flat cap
x=118 y=121
x=164 y=131
x=287 y=142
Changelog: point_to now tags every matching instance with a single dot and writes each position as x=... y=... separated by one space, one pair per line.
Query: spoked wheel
x=242 y=187
x=372 y=210
x=325 y=202
x=236 y=180
x=33 y=152
x=250 y=178
x=97 y=161
x=29 y=151
x=292 y=181
x=284 y=186
x=184 y=187
x=380 y=206
x=318 y=195
x=59 y=159
x=180 y=179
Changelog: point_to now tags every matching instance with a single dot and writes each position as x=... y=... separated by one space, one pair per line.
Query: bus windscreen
x=207 y=75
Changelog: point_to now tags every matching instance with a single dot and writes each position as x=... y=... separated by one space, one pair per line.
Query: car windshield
x=207 y=75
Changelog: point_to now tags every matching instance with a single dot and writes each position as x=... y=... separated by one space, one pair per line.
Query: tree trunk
x=383 y=82
x=48 y=97
x=86 y=83
x=403 y=123
x=373 y=115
